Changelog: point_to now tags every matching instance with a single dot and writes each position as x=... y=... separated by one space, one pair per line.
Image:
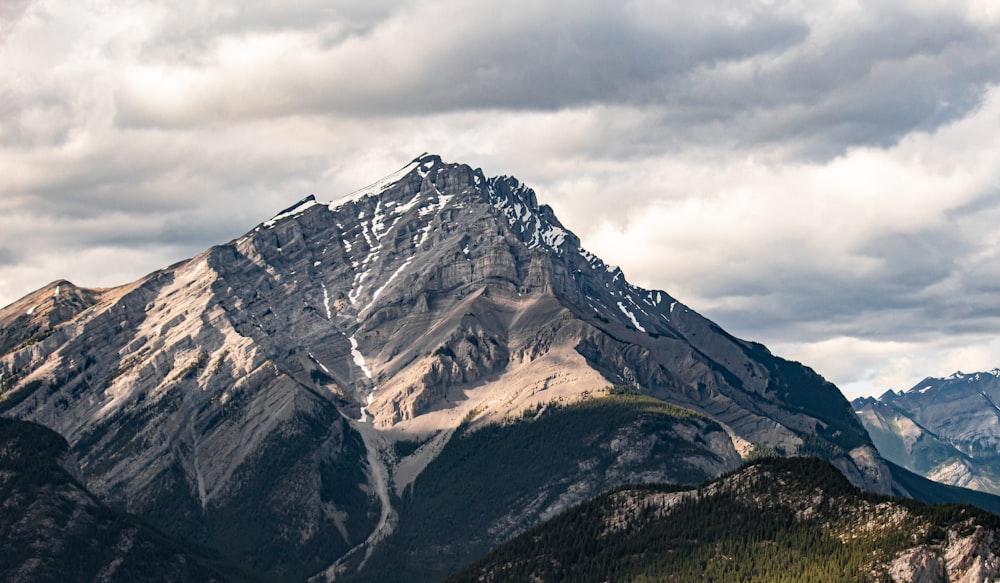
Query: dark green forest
x=815 y=527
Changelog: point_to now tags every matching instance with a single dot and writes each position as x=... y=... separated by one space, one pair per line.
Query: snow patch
x=321 y=365
x=359 y=358
x=291 y=212
x=378 y=221
x=379 y=291
x=631 y=316
x=405 y=208
x=373 y=250
x=425 y=167
x=377 y=187
x=515 y=210
x=443 y=200
x=553 y=237
x=326 y=303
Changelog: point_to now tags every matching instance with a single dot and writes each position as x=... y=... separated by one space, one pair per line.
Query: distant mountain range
x=945 y=429
x=388 y=386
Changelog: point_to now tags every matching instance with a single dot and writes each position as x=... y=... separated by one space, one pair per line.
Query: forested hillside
x=777 y=519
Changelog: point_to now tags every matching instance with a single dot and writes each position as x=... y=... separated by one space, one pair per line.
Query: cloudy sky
x=823 y=177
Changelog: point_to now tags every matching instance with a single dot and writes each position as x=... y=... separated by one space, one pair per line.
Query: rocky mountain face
x=947 y=430
x=54 y=530
x=775 y=520
x=281 y=397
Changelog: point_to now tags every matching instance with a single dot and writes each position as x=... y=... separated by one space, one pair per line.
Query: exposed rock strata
x=436 y=295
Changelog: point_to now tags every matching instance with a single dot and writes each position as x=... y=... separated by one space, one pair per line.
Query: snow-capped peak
x=517 y=203
x=294 y=210
x=422 y=163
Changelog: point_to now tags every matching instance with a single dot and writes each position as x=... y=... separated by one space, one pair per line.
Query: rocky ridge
x=946 y=429
x=778 y=519
x=280 y=374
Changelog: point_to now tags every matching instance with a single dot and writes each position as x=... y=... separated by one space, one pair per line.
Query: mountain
x=946 y=429
x=54 y=530
x=309 y=395
x=775 y=520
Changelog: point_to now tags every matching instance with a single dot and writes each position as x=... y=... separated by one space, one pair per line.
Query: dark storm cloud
x=918 y=290
x=148 y=177
x=11 y=12
x=436 y=60
x=742 y=73
x=33 y=115
x=598 y=56
x=193 y=28
x=8 y=257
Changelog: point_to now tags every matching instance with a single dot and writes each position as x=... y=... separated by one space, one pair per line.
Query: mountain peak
x=422 y=165
x=946 y=429
x=37 y=314
x=957 y=380
x=431 y=303
x=427 y=159
x=293 y=210
x=434 y=236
